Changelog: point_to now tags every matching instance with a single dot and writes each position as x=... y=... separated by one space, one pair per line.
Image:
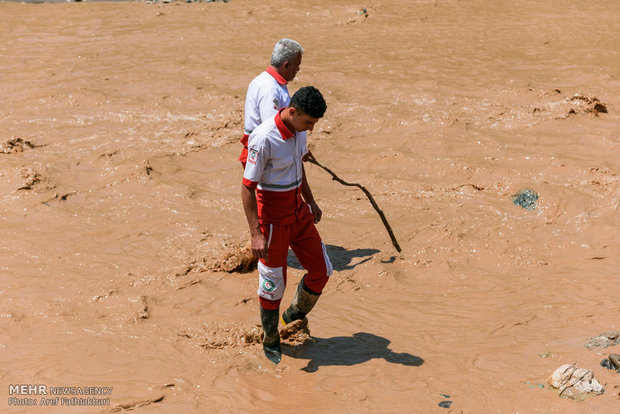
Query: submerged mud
x=121 y=225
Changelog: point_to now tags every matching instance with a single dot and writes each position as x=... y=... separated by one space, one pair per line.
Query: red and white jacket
x=274 y=168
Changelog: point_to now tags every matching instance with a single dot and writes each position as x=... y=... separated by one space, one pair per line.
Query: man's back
x=266 y=95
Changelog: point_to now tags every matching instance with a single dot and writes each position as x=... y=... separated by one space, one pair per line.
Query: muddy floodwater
x=120 y=205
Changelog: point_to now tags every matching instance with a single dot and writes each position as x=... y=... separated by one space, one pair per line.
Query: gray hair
x=285 y=49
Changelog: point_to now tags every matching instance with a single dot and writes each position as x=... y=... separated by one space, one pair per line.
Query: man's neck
x=286 y=120
x=279 y=71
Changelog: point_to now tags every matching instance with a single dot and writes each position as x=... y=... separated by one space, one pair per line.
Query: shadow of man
x=341 y=258
x=347 y=351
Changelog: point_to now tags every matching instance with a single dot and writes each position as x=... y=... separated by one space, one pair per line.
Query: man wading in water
x=281 y=212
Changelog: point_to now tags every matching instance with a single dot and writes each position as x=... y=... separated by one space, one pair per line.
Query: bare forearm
x=248 y=197
x=259 y=244
x=306 y=193
x=309 y=198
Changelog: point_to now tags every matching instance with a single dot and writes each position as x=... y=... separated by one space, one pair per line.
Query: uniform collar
x=270 y=70
x=284 y=131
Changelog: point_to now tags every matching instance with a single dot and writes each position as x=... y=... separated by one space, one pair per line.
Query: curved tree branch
x=310 y=158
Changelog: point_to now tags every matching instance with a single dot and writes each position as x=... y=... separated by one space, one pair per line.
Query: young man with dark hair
x=282 y=212
x=268 y=93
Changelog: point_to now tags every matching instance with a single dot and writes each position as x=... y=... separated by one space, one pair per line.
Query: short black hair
x=310 y=101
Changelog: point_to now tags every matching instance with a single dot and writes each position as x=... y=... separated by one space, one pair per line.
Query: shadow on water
x=347 y=351
x=341 y=258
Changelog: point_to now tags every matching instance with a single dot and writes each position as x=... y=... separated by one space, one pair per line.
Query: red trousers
x=303 y=238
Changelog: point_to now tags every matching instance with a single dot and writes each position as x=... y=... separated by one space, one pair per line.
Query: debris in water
x=592 y=104
x=445 y=404
x=15 y=145
x=604 y=340
x=612 y=362
x=526 y=199
x=574 y=382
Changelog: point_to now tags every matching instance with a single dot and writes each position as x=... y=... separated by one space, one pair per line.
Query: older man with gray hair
x=267 y=93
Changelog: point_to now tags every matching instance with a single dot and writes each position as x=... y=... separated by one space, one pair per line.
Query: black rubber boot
x=303 y=302
x=271 y=337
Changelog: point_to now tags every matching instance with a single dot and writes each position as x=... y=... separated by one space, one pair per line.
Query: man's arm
x=259 y=243
x=306 y=193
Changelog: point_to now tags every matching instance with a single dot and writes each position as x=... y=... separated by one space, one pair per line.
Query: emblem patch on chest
x=252 y=155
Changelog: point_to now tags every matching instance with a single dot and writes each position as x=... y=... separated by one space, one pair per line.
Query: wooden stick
x=310 y=158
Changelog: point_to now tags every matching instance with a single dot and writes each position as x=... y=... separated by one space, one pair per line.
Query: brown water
x=115 y=216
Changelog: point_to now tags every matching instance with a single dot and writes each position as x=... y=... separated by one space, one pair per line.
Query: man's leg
x=310 y=251
x=271 y=285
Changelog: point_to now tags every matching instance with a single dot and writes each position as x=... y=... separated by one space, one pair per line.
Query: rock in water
x=611 y=362
x=604 y=340
x=575 y=383
x=606 y=363
x=526 y=199
x=445 y=404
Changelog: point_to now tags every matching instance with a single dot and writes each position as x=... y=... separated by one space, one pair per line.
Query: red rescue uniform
x=274 y=169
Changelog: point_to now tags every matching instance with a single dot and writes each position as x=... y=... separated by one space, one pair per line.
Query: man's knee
x=326 y=268
x=315 y=284
x=319 y=273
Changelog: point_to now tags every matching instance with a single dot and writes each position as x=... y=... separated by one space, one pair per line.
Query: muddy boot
x=271 y=337
x=303 y=302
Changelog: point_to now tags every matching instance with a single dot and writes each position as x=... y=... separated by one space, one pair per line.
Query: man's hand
x=259 y=246
x=316 y=211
